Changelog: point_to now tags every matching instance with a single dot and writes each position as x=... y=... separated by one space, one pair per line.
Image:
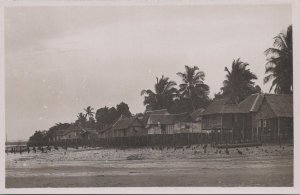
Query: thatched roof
x=61 y=132
x=148 y=113
x=89 y=131
x=251 y=103
x=182 y=117
x=169 y=119
x=155 y=119
x=282 y=105
x=71 y=128
x=105 y=129
x=125 y=123
x=197 y=113
x=221 y=106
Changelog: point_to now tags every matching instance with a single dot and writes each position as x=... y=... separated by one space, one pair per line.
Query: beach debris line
x=135 y=157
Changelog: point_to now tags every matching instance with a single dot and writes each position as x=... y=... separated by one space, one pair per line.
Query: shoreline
x=111 y=168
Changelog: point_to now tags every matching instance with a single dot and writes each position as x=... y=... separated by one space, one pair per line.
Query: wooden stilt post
x=278 y=128
x=221 y=128
x=243 y=134
x=257 y=121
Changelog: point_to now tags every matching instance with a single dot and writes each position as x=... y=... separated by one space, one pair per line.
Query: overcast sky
x=60 y=60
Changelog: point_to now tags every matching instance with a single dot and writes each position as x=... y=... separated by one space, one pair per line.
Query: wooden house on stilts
x=225 y=120
x=274 y=118
x=260 y=117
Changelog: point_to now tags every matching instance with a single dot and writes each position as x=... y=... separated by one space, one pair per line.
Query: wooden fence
x=154 y=140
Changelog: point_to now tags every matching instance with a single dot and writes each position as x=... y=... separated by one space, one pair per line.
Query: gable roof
x=61 y=132
x=222 y=106
x=89 y=131
x=182 y=117
x=125 y=123
x=197 y=113
x=148 y=113
x=169 y=119
x=155 y=119
x=252 y=103
x=105 y=129
x=71 y=128
x=281 y=104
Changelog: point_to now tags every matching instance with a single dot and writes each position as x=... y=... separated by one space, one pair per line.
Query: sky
x=59 y=60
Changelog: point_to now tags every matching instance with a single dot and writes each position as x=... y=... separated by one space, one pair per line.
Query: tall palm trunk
x=193 y=107
x=192 y=104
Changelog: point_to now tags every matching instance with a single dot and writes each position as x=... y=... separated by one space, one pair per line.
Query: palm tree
x=81 y=119
x=193 y=87
x=163 y=95
x=239 y=81
x=89 y=112
x=279 y=66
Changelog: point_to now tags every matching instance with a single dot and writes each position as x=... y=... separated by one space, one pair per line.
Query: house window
x=235 y=118
x=265 y=123
x=124 y=133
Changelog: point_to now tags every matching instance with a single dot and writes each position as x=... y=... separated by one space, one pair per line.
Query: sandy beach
x=267 y=165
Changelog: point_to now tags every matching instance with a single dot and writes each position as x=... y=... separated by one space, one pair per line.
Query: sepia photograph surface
x=149 y=96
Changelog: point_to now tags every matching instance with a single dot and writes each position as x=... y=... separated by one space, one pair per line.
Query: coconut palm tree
x=239 y=81
x=81 y=119
x=162 y=96
x=193 y=87
x=279 y=66
x=89 y=112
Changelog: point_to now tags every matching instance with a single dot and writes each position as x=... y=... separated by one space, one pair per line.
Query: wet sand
x=188 y=167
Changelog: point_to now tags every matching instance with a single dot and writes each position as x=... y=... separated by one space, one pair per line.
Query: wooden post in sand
x=243 y=134
x=257 y=121
x=278 y=128
x=221 y=127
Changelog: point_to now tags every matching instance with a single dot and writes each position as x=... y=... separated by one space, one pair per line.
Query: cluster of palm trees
x=279 y=67
x=165 y=92
x=87 y=118
x=238 y=84
x=103 y=116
